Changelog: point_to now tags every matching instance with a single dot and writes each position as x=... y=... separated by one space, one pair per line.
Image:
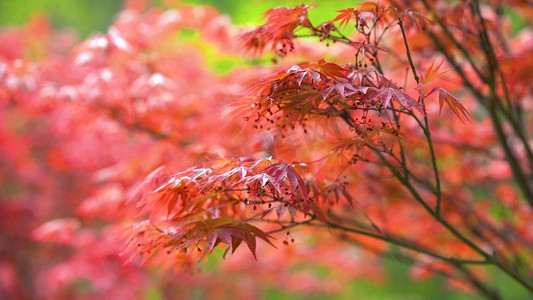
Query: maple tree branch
x=435 y=167
x=404 y=258
x=456 y=43
x=492 y=60
x=400 y=243
x=478 y=284
x=438 y=217
x=483 y=225
x=405 y=179
x=290 y=224
x=457 y=262
x=331 y=37
x=409 y=174
x=343 y=36
x=517 y=171
x=465 y=214
x=403 y=161
x=519 y=130
x=486 y=45
x=114 y=113
x=527 y=283
x=509 y=237
x=425 y=128
x=494 y=67
x=468 y=146
x=521 y=178
x=384 y=31
x=152 y=133
x=409 y=57
x=489 y=258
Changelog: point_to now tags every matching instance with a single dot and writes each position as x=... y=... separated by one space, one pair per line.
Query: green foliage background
x=84 y=16
x=88 y=16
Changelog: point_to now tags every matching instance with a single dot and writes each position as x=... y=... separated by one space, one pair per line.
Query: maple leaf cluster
x=402 y=131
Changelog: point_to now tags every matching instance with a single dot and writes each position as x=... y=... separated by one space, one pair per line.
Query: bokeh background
x=85 y=17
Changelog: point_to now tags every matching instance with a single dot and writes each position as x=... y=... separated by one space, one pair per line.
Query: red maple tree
x=399 y=127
